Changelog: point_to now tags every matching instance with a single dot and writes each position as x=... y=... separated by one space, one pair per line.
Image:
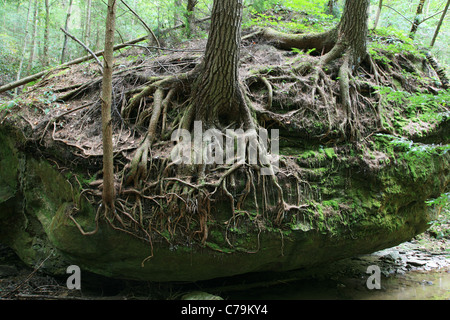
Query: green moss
x=329 y=152
x=308 y=154
x=331 y=203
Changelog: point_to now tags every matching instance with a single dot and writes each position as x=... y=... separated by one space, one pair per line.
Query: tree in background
x=66 y=27
x=46 y=34
x=417 y=19
x=87 y=32
x=378 y=14
x=438 y=28
x=24 y=47
x=33 y=36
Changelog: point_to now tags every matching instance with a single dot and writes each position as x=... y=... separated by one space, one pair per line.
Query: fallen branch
x=85 y=47
x=39 y=75
x=28 y=278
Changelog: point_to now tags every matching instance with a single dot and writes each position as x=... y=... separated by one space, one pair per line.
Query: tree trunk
x=46 y=33
x=216 y=93
x=353 y=29
x=33 y=37
x=417 y=19
x=433 y=41
x=87 y=32
x=377 y=17
x=108 y=162
x=190 y=17
x=66 y=27
x=331 y=7
x=350 y=35
x=24 y=48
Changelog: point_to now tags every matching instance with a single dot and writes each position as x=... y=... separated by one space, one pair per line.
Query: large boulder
x=354 y=201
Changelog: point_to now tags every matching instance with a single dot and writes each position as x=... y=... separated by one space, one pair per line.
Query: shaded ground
x=419 y=269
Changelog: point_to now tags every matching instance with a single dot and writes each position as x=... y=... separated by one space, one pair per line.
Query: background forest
x=31 y=36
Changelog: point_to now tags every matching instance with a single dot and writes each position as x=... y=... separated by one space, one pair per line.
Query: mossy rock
x=356 y=204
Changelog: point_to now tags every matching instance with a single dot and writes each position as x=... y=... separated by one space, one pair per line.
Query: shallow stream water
x=431 y=285
x=410 y=271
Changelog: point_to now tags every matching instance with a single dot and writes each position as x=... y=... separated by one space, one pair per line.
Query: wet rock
x=416 y=262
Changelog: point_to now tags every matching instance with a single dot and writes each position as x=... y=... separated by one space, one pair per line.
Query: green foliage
x=404 y=107
x=306 y=16
x=398 y=18
x=440 y=227
x=8 y=105
x=443 y=201
x=259 y=6
x=9 y=59
x=390 y=42
x=315 y=8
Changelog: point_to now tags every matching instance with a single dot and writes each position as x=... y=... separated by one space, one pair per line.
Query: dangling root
x=344 y=84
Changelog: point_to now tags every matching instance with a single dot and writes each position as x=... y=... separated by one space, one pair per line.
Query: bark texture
x=378 y=15
x=108 y=163
x=216 y=91
x=353 y=29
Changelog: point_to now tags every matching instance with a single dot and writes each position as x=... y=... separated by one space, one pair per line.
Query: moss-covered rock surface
x=354 y=201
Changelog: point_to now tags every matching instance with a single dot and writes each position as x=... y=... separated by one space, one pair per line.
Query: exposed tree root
x=156 y=196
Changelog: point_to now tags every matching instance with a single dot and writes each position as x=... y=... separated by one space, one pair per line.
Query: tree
x=417 y=20
x=190 y=17
x=433 y=41
x=108 y=161
x=66 y=27
x=347 y=40
x=46 y=33
x=377 y=17
x=33 y=36
x=216 y=93
x=24 y=47
x=216 y=96
x=331 y=7
x=87 y=33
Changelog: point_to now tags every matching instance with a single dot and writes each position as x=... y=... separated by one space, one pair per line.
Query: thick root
x=139 y=163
